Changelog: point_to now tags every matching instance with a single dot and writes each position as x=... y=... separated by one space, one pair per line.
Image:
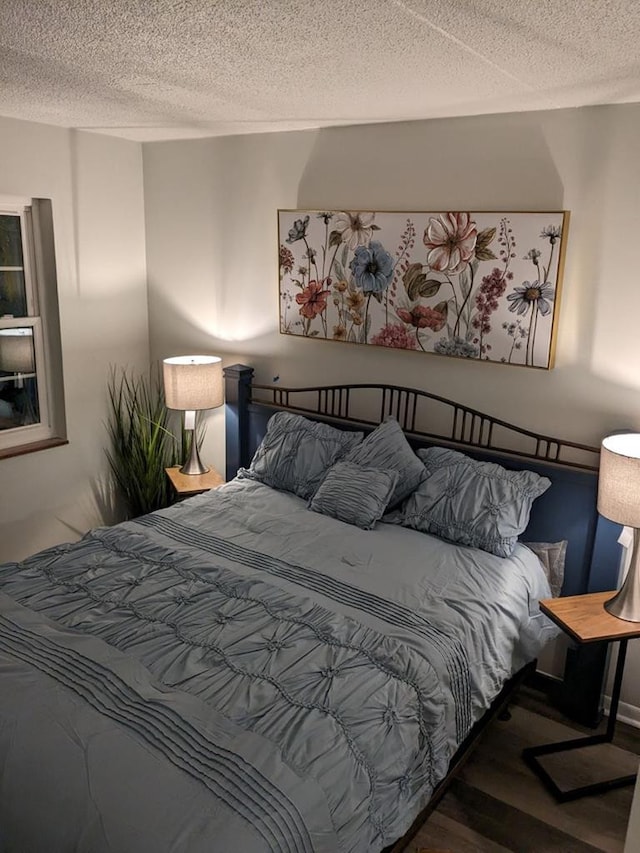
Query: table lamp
x=193 y=383
x=619 y=500
x=16 y=353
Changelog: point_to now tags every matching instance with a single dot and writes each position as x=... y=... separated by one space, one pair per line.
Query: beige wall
x=95 y=183
x=212 y=260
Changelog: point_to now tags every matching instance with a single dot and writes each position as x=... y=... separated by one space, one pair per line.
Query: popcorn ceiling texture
x=168 y=69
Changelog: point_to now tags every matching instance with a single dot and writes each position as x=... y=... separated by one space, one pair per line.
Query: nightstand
x=585 y=620
x=187 y=485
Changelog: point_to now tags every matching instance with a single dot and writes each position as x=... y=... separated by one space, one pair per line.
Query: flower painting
x=481 y=286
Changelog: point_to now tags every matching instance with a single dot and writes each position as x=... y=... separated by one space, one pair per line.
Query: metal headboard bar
x=469 y=427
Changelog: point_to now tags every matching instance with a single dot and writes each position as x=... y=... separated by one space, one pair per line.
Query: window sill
x=33 y=447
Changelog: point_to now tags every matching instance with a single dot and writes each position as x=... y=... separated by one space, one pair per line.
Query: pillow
x=480 y=504
x=296 y=453
x=355 y=495
x=552 y=556
x=387 y=448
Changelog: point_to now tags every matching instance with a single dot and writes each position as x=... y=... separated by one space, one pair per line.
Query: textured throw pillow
x=480 y=504
x=296 y=453
x=387 y=448
x=355 y=495
x=552 y=555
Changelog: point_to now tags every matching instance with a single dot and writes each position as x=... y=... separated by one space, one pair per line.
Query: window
x=31 y=398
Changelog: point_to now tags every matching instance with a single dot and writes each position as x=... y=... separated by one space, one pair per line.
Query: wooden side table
x=585 y=620
x=187 y=485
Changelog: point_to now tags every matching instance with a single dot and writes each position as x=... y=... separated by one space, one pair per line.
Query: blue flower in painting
x=456 y=346
x=372 y=267
x=299 y=230
x=529 y=294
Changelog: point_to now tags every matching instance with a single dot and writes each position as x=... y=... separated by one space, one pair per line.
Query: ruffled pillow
x=355 y=495
x=386 y=447
x=480 y=504
x=296 y=453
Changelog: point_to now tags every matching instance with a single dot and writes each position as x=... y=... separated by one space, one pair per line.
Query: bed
x=240 y=672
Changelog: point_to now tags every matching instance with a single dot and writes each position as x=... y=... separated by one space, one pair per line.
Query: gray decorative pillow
x=480 y=504
x=386 y=447
x=552 y=555
x=355 y=495
x=296 y=453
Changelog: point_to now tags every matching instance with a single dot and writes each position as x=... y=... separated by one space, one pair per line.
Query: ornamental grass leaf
x=142 y=443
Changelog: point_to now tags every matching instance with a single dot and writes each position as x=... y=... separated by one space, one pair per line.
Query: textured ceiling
x=169 y=69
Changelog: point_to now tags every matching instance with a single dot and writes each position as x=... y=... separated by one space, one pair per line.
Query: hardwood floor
x=497 y=804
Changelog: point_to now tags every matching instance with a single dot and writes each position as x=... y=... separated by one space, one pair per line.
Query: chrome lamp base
x=194 y=464
x=626 y=603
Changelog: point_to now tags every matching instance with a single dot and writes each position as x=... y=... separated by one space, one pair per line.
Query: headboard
x=566 y=511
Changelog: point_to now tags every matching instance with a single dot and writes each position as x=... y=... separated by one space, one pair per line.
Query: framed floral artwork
x=473 y=285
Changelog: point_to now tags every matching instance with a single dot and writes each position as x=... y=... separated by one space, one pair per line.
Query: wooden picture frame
x=475 y=285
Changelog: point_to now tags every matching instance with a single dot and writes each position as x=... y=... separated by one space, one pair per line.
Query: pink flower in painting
x=451 y=241
x=423 y=318
x=286 y=259
x=313 y=299
x=487 y=299
x=394 y=335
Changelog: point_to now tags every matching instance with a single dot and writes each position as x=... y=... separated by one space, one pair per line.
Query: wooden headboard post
x=237 y=389
x=566 y=511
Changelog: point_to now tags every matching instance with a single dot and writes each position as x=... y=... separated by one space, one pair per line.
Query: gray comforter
x=239 y=673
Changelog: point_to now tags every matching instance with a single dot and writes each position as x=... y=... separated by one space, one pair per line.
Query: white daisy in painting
x=355 y=229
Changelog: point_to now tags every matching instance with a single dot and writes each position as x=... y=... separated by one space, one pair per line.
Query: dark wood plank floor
x=497 y=804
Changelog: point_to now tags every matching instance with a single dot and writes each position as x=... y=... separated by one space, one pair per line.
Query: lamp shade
x=619 y=480
x=16 y=351
x=193 y=382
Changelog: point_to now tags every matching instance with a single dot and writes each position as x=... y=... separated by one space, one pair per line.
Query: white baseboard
x=627 y=713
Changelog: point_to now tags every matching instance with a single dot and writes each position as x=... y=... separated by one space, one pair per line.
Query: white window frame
x=49 y=430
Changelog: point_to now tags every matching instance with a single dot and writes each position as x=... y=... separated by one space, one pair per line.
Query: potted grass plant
x=142 y=441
